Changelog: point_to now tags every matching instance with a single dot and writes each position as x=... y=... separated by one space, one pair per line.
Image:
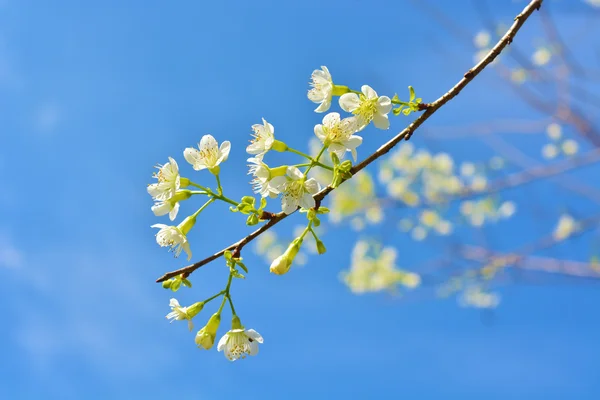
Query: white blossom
x=237 y=343
x=209 y=154
x=179 y=313
x=368 y=107
x=263 y=138
x=173 y=237
x=262 y=183
x=322 y=89
x=339 y=134
x=298 y=191
x=168 y=183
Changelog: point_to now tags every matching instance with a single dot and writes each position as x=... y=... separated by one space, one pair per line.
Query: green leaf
x=242 y=266
x=397 y=111
x=263 y=203
x=175 y=285
x=249 y=200
x=322 y=210
x=395 y=98
x=412 y=93
x=236 y=274
x=233 y=209
x=186 y=282
x=227 y=254
x=316 y=221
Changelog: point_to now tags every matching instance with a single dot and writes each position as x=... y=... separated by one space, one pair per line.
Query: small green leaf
x=186 y=282
x=322 y=210
x=397 y=111
x=242 y=266
x=263 y=203
x=316 y=221
x=249 y=200
x=227 y=254
x=175 y=285
x=236 y=274
x=412 y=93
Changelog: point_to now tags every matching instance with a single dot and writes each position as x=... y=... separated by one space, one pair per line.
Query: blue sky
x=94 y=95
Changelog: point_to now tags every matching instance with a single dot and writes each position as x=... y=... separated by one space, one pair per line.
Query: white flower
x=262 y=183
x=237 y=343
x=297 y=191
x=169 y=181
x=210 y=154
x=368 y=107
x=339 y=134
x=173 y=237
x=264 y=137
x=166 y=207
x=322 y=89
x=179 y=313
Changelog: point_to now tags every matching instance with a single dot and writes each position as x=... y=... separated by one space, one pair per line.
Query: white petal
x=222 y=342
x=224 y=151
x=255 y=148
x=289 y=204
x=319 y=132
x=311 y=186
x=331 y=119
x=384 y=105
x=173 y=303
x=327 y=76
x=193 y=157
x=338 y=149
x=162 y=208
x=368 y=92
x=381 y=121
x=253 y=349
x=349 y=102
x=278 y=182
x=316 y=96
x=324 y=106
x=186 y=247
x=353 y=142
x=208 y=143
x=251 y=333
x=174 y=211
x=294 y=173
x=159 y=226
x=307 y=201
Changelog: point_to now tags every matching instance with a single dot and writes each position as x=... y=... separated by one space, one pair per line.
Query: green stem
x=314 y=234
x=194 y=215
x=231 y=304
x=222 y=292
x=308 y=228
x=200 y=186
x=299 y=153
x=219 y=188
x=198 y=192
x=226 y=292
x=316 y=160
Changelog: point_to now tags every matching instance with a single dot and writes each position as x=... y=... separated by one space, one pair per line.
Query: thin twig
x=404 y=135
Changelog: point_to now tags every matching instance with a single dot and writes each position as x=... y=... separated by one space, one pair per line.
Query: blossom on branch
x=263 y=138
x=368 y=107
x=338 y=134
x=209 y=155
x=298 y=191
x=168 y=183
x=322 y=89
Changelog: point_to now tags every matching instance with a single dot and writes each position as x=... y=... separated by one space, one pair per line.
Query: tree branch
x=404 y=135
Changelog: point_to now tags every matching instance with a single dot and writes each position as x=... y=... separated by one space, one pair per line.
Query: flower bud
x=205 y=338
x=321 y=247
x=167 y=284
x=195 y=308
x=281 y=265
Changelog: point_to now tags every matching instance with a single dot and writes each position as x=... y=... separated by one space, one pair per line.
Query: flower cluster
x=295 y=184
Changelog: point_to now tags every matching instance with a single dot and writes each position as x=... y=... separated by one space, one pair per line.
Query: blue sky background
x=93 y=95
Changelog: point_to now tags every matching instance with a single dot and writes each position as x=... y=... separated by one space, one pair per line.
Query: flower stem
x=200 y=186
x=312 y=160
x=231 y=304
x=219 y=188
x=316 y=160
x=194 y=215
x=222 y=292
x=226 y=293
x=217 y=196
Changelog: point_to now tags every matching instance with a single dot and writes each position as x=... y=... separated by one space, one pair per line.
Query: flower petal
x=307 y=201
x=174 y=211
x=208 y=143
x=222 y=342
x=252 y=334
x=193 y=156
x=312 y=186
x=324 y=106
x=294 y=173
x=384 y=105
x=331 y=119
x=253 y=349
x=289 y=204
x=368 y=92
x=349 y=102
x=319 y=132
x=381 y=121
x=224 y=151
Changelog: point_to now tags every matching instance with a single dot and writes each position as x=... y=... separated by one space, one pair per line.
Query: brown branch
x=404 y=135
